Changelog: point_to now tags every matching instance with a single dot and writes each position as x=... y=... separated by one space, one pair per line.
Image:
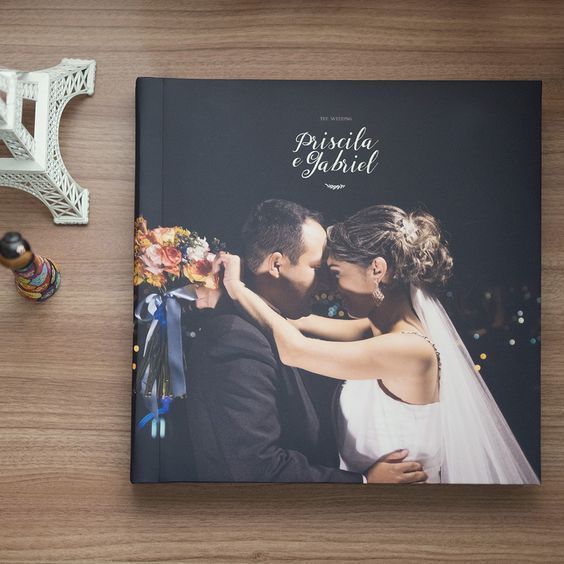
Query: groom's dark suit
x=251 y=418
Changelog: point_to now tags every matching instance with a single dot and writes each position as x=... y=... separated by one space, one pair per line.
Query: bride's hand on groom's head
x=391 y=469
x=231 y=265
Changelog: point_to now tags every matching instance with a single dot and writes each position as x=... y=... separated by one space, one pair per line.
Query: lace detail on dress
x=430 y=342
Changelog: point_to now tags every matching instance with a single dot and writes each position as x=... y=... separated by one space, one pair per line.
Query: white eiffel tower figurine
x=36 y=165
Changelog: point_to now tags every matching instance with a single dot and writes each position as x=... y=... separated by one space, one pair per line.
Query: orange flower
x=162 y=235
x=141 y=224
x=155 y=279
x=138 y=267
x=170 y=258
x=141 y=239
x=201 y=271
x=141 y=242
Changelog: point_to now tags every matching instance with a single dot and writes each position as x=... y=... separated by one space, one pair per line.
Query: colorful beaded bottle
x=36 y=278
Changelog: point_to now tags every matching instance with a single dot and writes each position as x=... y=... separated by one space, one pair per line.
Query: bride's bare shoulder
x=408 y=345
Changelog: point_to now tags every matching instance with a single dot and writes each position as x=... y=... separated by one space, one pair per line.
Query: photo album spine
x=145 y=463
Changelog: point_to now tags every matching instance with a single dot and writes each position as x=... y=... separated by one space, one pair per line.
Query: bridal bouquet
x=165 y=254
x=166 y=257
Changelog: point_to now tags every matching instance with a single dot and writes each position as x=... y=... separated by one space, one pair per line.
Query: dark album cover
x=337 y=281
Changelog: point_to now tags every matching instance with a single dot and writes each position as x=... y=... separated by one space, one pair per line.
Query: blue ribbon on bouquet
x=166 y=310
x=161 y=411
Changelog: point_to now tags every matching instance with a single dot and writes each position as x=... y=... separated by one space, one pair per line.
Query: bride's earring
x=377 y=295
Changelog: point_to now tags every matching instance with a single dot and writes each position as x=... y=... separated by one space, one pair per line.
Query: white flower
x=409 y=230
x=198 y=250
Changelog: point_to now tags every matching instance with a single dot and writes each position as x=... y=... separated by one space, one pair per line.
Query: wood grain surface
x=65 y=365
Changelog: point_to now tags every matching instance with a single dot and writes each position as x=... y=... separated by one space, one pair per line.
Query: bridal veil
x=478 y=445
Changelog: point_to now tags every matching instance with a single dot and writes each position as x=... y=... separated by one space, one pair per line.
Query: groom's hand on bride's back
x=392 y=469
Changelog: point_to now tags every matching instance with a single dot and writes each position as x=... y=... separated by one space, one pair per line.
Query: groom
x=251 y=418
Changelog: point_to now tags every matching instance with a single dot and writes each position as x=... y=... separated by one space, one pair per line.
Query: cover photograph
x=337 y=282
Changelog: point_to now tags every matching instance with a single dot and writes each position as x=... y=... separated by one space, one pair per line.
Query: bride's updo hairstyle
x=410 y=243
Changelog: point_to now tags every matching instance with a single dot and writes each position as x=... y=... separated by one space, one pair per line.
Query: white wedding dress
x=371 y=423
x=462 y=439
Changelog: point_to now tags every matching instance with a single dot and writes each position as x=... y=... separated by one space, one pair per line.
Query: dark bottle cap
x=13 y=245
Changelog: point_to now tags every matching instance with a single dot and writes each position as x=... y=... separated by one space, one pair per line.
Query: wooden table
x=65 y=371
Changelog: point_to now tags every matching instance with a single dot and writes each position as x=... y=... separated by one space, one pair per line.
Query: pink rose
x=171 y=257
x=152 y=258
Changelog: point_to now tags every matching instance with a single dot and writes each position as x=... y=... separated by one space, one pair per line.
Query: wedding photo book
x=337 y=281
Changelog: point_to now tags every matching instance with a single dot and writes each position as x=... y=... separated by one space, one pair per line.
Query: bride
x=409 y=380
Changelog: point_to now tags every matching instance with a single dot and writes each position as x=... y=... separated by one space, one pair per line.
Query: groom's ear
x=274 y=263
